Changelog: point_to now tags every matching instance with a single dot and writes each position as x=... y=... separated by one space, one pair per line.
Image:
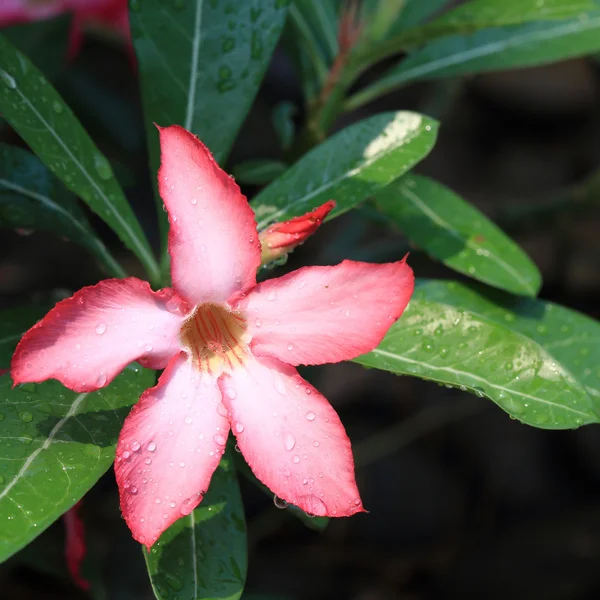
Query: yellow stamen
x=213 y=336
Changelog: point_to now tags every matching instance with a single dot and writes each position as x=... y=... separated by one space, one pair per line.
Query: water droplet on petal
x=187 y=506
x=135 y=446
x=289 y=441
x=279 y=502
x=230 y=393
x=100 y=328
x=239 y=427
x=151 y=447
x=310 y=416
x=220 y=439
x=101 y=381
x=296 y=459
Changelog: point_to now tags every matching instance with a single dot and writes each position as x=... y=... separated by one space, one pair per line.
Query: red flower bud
x=281 y=238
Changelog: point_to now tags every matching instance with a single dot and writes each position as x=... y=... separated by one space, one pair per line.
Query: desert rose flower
x=229 y=348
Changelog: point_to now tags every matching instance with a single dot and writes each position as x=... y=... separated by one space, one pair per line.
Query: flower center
x=213 y=336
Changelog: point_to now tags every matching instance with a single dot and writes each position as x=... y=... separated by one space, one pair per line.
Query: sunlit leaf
x=348 y=167
x=455 y=336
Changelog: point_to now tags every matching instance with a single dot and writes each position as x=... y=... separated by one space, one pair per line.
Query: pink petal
x=87 y=339
x=168 y=449
x=213 y=240
x=326 y=314
x=292 y=438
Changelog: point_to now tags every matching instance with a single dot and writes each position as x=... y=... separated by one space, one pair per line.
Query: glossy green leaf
x=40 y=116
x=55 y=445
x=492 y=49
x=571 y=338
x=203 y=555
x=14 y=322
x=259 y=171
x=456 y=233
x=201 y=63
x=475 y=15
x=443 y=338
x=348 y=167
x=32 y=198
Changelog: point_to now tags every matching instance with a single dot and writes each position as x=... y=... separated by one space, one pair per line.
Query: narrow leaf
x=203 y=555
x=32 y=198
x=55 y=445
x=442 y=338
x=40 y=116
x=456 y=233
x=475 y=15
x=348 y=167
x=492 y=49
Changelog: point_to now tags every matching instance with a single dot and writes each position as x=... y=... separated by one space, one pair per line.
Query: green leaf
x=201 y=63
x=417 y=11
x=490 y=50
x=14 y=322
x=475 y=15
x=55 y=445
x=32 y=198
x=444 y=338
x=203 y=555
x=259 y=171
x=40 y=116
x=348 y=167
x=571 y=338
x=456 y=233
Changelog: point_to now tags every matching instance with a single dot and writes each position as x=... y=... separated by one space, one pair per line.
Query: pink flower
x=281 y=238
x=109 y=13
x=228 y=347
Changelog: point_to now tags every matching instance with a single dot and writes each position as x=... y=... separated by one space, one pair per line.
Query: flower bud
x=281 y=238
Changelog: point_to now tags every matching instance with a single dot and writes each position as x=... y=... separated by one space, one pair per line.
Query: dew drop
x=101 y=381
x=222 y=410
x=100 y=328
x=230 y=393
x=310 y=416
x=289 y=441
x=239 y=427
x=295 y=459
x=187 y=506
x=290 y=347
x=151 y=447
x=188 y=420
x=258 y=322
x=26 y=417
x=220 y=439
x=279 y=502
x=135 y=446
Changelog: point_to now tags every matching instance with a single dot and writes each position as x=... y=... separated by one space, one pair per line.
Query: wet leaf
x=55 y=445
x=455 y=336
x=348 y=167
x=456 y=233
x=201 y=63
x=203 y=555
x=37 y=112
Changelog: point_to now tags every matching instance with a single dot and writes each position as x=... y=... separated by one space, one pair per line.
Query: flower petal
x=87 y=339
x=213 y=240
x=291 y=437
x=326 y=314
x=168 y=449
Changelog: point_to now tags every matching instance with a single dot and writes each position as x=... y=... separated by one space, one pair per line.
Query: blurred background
x=464 y=502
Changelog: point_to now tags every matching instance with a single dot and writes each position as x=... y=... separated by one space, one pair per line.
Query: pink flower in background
x=112 y=14
x=75 y=548
x=229 y=347
x=280 y=239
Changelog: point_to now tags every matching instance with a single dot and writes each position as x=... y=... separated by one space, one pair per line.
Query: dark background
x=464 y=502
